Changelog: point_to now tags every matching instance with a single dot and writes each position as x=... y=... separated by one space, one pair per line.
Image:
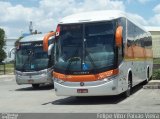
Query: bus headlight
x=109 y=78
x=58 y=80
x=44 y=72
x=19 y=73
x=43 y=75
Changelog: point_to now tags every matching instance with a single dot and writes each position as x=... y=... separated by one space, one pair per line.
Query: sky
x=15 y=15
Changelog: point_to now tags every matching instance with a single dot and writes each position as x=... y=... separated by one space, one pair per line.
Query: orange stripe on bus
x=85 y=78
x=45 y=40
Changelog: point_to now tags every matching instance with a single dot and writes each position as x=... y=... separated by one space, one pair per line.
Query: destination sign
x=32 y=44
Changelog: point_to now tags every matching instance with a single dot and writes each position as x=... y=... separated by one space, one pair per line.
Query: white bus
x=32 y=60
x=101 y=53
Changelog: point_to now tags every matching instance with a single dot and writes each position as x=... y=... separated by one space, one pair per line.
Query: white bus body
x=94 y=61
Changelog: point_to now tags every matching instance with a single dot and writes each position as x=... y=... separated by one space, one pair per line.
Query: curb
x=6 y=76
x=151 y=87
x=153 y=84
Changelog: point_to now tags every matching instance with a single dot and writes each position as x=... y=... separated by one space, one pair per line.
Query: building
x=155 y=32
x=9 y=44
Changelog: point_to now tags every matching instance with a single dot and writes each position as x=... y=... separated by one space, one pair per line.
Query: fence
x=3 y=68
x=6 y=68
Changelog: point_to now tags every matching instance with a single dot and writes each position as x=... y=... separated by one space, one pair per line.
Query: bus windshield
x=87 y=47
x=31 y=57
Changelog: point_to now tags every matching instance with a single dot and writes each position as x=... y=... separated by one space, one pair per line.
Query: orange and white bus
x=33 y=64
x=100 y=53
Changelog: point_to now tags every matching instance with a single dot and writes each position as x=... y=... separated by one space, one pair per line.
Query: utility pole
x=31 y=27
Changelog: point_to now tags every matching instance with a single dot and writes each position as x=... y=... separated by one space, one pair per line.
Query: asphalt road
x=24 y=99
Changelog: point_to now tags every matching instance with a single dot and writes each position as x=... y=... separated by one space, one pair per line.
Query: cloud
x=138 y=19
x=15 y=18
x=144 y=1
x=156 y=9
x=45 y=17
x=140 y=1
x=83 y=5
x=155 y=20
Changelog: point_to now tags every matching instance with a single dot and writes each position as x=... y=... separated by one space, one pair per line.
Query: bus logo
x=81 y=83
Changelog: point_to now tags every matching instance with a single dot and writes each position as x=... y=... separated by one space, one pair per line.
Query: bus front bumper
x=41 y=79
x=107 y=88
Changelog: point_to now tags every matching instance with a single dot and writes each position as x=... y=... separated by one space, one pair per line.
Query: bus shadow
x=138 y=87
x=95 y=99
x=43 y=87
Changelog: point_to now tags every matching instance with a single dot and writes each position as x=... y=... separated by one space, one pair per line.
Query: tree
x=2 y=44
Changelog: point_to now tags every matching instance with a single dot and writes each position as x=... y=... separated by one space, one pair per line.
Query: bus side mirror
x=118 y=36
x=46 y=39
x=50 y=49
x=50 y=53
x=12 y=50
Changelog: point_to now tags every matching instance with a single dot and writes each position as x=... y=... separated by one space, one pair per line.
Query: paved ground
x=22 y=98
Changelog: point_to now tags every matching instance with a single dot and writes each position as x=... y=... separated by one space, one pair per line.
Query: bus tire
x=147 y=79
x=35 y=86
x=128 y=92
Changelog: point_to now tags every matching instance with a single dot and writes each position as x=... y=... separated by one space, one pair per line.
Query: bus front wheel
x=129 y=89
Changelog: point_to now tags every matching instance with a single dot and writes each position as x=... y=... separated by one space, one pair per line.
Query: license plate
x=82 y=90
x=30 y=81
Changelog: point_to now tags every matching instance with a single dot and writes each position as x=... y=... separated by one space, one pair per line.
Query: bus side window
x=122 y=22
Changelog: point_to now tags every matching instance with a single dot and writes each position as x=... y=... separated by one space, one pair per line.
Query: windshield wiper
x=89 y=56
x=91 y=60
x=82 y=60
x=27 y=60
x=71 y=60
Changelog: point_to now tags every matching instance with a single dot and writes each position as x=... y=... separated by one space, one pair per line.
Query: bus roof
x=34 y=37
x=94 y=16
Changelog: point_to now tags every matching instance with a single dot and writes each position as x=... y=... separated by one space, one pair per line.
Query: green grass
x=156 y=71
x=156 y=74
x=9 y=68
x=156 y=61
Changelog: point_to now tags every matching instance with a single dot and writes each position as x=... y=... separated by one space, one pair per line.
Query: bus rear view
x=92 y=59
